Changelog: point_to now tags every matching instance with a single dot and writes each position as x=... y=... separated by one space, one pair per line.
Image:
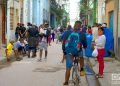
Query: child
x=8 y=50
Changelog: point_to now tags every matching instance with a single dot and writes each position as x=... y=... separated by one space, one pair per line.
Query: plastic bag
x=95 y=53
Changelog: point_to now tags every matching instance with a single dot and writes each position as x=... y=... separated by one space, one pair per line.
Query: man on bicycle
x=73 y=47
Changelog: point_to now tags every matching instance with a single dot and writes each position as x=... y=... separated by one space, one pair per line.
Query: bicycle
x=75 y=72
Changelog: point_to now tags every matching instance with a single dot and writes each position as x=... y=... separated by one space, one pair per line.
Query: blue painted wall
x=111 y=23
x=34 y=11
x=37 y=11
x=28 y=12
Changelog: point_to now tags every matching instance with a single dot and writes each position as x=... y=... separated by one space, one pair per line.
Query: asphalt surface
x=50 y=72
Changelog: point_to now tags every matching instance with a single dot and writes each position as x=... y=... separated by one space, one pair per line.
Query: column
x=8 y=21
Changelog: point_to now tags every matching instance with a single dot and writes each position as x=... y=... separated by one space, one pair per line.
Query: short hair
x=46 y=23
x=101 y=28
x=89 y=26
x=69 y=27
x=29 y=24
x=105 y=24
x=78 y=22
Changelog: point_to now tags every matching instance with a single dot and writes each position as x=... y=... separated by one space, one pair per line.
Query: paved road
x=30 y=72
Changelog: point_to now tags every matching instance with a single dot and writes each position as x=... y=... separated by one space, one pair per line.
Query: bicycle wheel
x=75 y=76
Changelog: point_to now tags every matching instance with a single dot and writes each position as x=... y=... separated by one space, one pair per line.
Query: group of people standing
x=30 y=39
x=75 y=43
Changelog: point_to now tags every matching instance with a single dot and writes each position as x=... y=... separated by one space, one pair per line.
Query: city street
x=30 y=72
x=91 y=25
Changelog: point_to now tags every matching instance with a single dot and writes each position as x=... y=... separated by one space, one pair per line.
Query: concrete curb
x=106 y=80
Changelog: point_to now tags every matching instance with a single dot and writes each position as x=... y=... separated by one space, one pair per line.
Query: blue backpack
x=71 y=46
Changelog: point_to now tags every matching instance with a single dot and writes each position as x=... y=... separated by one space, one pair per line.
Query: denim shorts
x=69 y=59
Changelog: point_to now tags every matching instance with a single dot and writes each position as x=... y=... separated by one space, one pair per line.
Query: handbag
x=95 y=52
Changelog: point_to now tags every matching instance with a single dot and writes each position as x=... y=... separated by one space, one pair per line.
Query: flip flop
x=100 y=76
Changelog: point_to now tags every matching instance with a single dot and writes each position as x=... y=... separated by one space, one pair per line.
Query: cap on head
x=46 y=23
x=104 y=25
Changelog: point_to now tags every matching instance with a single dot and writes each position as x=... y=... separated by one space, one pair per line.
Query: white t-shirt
x=100 y=42
x=42 y=31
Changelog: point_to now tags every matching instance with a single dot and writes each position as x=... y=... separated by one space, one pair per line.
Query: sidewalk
x=112 y=66
x=2 y=54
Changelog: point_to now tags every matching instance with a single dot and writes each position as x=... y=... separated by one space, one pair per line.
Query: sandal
x=100 y=76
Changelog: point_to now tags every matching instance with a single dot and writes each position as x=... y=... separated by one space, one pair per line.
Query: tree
x=86 y=9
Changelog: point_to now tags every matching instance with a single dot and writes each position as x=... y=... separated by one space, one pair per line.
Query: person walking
x=44 y=41
x=64 y=37
x=49 y=36
x=32 y=33
x=53 y=35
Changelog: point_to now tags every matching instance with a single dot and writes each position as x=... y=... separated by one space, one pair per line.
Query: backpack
x=71 y=46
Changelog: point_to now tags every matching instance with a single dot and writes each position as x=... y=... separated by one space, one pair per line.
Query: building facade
x=113 y=21
x=2 y=22
x=110 y=11
x=54 y=5
x=101 y=11
x=13 y=17
x=117 y=28
x=34 y=11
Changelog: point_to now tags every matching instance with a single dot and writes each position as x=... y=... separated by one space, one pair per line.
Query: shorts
x=69 y=59
x=43 y=45
x=19 y=49
x=31 y=48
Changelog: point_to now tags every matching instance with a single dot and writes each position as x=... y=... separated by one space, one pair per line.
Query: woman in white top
x=100 y=45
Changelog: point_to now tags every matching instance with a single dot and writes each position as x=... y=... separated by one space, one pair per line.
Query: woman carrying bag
x=100 y=46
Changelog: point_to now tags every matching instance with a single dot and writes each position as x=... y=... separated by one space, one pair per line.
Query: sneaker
x=65 y=84
x=82 y=73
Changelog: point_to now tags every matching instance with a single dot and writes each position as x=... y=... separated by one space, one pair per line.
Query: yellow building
x=113 y=21
x=110 y=8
